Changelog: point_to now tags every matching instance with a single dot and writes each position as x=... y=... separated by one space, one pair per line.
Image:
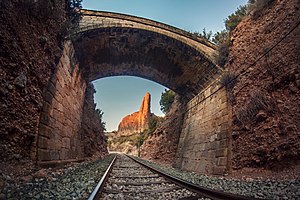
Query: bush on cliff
x=167 y=98
x=100 y=117
x=235 y=18
x=204 y=34
x=255 y=6
x=222 y=39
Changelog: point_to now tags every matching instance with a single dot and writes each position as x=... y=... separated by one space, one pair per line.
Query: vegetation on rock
x=204 y=34
x=222 y=38
x=167 y=98
x=255 y=6
x=235 y=18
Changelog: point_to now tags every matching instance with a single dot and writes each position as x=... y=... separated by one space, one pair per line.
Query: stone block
x=222 y=161
x=58 y=106
x=58 y=141
x=43 y=155
x=215 y=145
x=52 y=145
x=59 y=87
x=58 y=127
x=59 y=97
x=53 y=78
x=224 y=126
x=223 y=106
x=223 y=143
x=72 y=142
x=219 y=170
x=223 y=99
x=222 y=135
x=45 y=118
x=54 y=154
x=213 y=137
x=45 y=131
x=66 y=143
x=224 y=112
x=200 y=166
x=46 y=107
x=48 y=97
x=57 y=115
x=211 y=154
x=64 y=154
x=69 y=131
x=221 y=152
x=51 y=88
x=191 y=165
x=199 y=147
x=43 y=142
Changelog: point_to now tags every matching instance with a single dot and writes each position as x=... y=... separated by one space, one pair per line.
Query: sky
x=122 y=95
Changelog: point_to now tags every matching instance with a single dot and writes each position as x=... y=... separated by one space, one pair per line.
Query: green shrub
x=100 y=117
x=256 y=6
x=72 y=8
x=235 y=18
x=257 y=102
x=228 y=80
x=220 y=37
x=223 y=53
x=74 y=16
x=204 y=34
x=167 y=98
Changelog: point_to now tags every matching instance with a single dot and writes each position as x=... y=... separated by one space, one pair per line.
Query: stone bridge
x=111 y=44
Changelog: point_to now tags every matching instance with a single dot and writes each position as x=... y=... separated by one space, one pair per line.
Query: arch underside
x=104 y=52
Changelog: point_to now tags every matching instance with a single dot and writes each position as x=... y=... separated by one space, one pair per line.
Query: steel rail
x=98 y=189
x=207 y=192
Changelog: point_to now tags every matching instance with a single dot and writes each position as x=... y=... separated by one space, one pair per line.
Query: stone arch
x=109 y=44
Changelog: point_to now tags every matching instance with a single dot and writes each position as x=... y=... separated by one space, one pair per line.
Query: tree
x=220 y=37
x=74 y=16
x=100 y=115
x=204 y=34
x=153 y=123
x=167 y=98
x=235 y=18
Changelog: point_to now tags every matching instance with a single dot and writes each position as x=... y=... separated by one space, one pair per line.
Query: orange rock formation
x=137 y=121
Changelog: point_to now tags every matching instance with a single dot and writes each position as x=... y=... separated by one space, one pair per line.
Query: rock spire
x=137 y=121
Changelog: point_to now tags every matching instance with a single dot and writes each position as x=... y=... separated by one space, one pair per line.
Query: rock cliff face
x=138 y=121
x=162 y=144
x=92 y=127
x=266 y=108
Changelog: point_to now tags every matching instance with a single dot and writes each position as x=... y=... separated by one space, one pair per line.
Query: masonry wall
x=60 y=121
x=204 y=141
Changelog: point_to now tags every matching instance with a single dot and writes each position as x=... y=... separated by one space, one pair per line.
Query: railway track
x=127 y=178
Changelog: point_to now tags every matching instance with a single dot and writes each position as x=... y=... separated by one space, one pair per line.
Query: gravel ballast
x=262 y=189
x=78 y=181
x=74 y=182
x=130 y=180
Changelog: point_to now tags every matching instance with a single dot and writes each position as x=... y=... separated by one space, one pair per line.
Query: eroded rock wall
x=161 y=145
x=267 y=97
x=92 y=127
